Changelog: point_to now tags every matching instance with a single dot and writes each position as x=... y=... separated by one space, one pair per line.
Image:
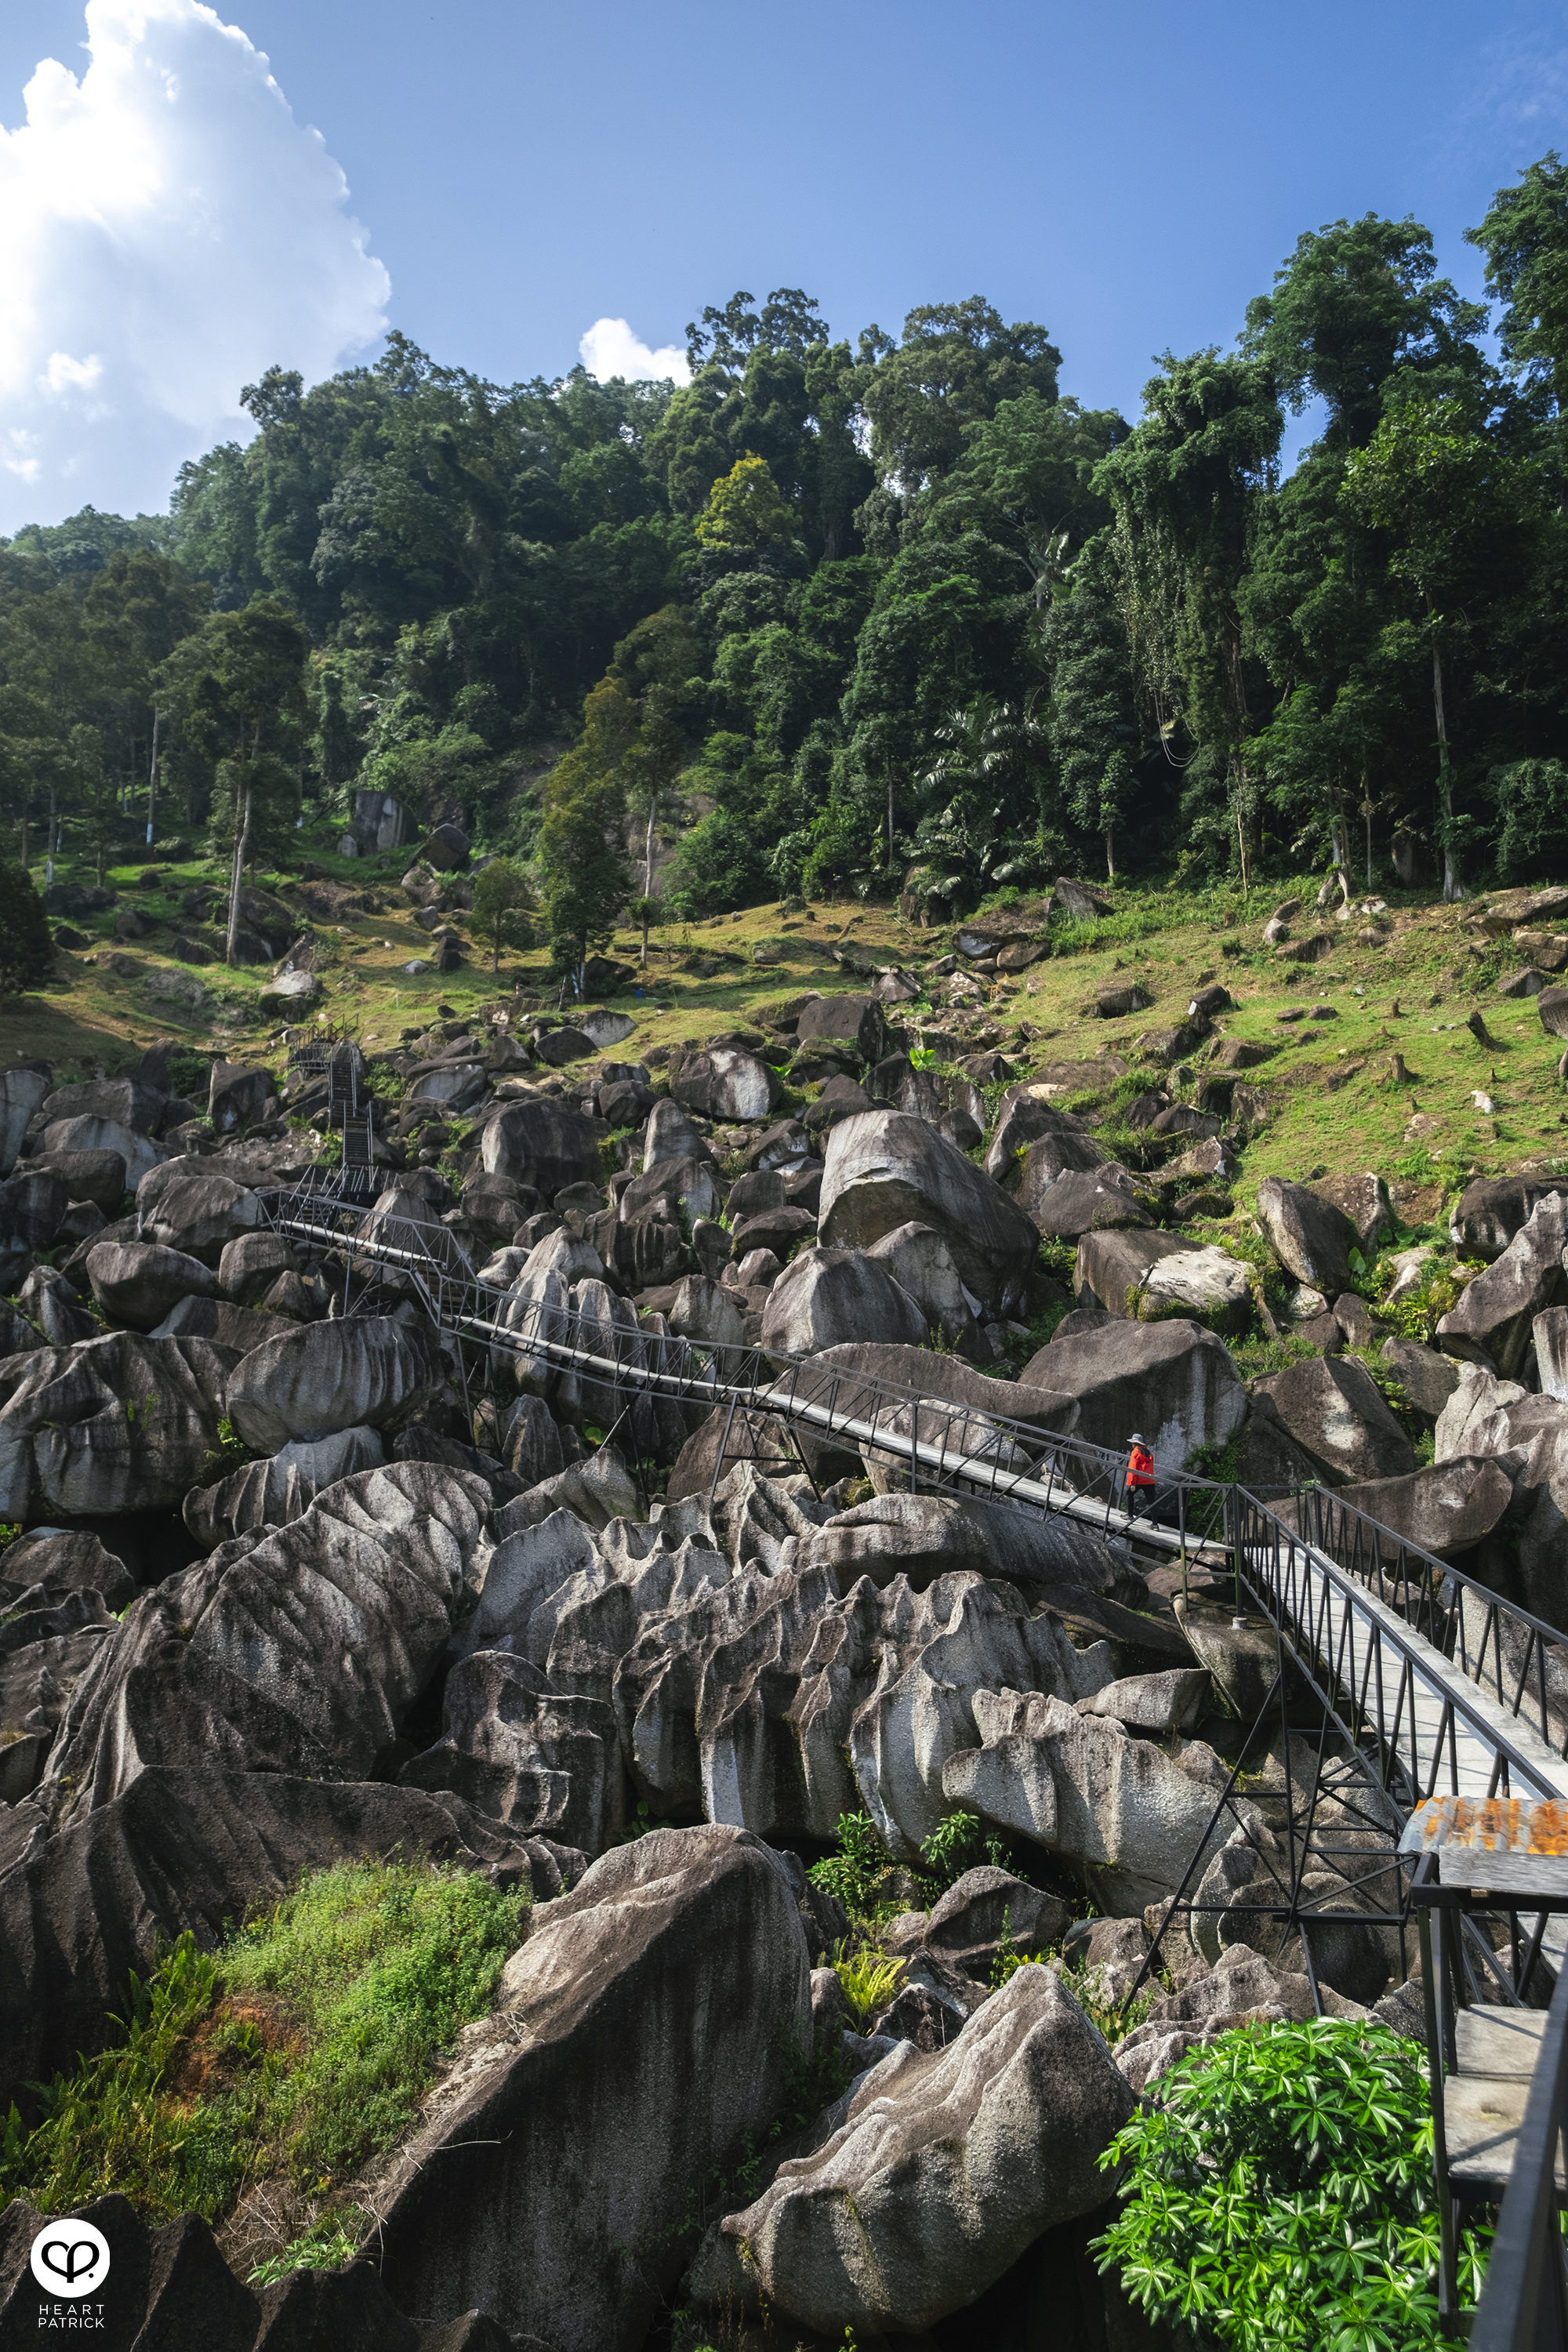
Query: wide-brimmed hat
x=1139 y=1438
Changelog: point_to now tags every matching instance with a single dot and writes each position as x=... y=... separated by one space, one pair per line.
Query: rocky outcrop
x=1492 y=1323
x=1115 y=1807
x=360 y=1371
x=1146 y=1276
x=885 y=1169
x=828 y=1297
x=950 y=2164
x=1333 y=1409
x=524 y=1753
x=120 y=1424
x=637 y=2036
x=1172 y=1381
x=296 y=1652
x=1310 y=1237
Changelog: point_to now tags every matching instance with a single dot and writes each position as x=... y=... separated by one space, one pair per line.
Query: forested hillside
x=838 y=613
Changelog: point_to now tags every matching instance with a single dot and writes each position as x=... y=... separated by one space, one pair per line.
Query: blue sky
x=1126 y=178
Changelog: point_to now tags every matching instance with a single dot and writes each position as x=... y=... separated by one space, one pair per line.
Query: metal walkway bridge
x=1423 y=1683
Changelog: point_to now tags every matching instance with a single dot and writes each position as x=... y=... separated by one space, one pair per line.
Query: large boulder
x=885 y=1169
x=88 y=1132
x=1364 y=1199
x=827 y=1297
x=280 y=1487
x=95 y=1176
x=1174 y=1382
x=1146 y=1276
x=1310 y=1237
x=677 y=1190
x=726 y=1082
x=236 y=1097
x=1492 y=1323
x=120 y=1424
x=925 y=1270
x=520 y=1752
x=542 y=1142
x=1079 y=1204
x=669 y=1135
x=136 y=1102
x=857 y=1023
x=22 y=1091
x=198 y=1210
x=299 y=1651
x=138 y=1282
x=351 y=1373
x=1114 y=1807
x=639 y=2037
x=1448 y=1510
x=924 y=1537
x=1492 y=1209
x=1061 y=1152
x=1331 y=1408
x=940 y=2169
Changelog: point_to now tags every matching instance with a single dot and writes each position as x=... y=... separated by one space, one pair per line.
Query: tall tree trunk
x=1452 y=886
x=1366 y=810
x=647 y=861
x=645 y=929
x=890 y=826
x=241 y=846
x=1110 y=852
x=153 y=779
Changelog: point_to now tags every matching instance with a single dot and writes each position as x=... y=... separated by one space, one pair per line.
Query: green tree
x=1186 y=486
x=27 y=949
x=240 y=686
x=583 y=867
x=1525 y=239
x=1454 y=506
x=647 y=912
x=504 y=908
x=745 y=515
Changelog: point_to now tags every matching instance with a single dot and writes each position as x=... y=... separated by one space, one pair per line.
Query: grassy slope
x=1335 y=1104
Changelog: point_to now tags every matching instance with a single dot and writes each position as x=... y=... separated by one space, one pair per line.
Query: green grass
x=297 y=2052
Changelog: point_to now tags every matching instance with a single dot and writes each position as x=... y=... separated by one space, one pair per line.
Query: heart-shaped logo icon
x=70 y=2257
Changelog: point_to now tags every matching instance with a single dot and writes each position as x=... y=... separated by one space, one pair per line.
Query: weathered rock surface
x=1116 y=1807
x=636 y=2038
x=950 y=2164
x=1145 y=1275
x=360 y=1371
x=1174 y=1381
x=541 y=1142
x=545 y=1761
x=120 y=1424
x=298 y=1650
x=1333 y=1409
x=726 y=1082
x=829 y=1297
x=1310 y=1236
x=137 y=1283
x=885 y=1169
x=1492 y=1323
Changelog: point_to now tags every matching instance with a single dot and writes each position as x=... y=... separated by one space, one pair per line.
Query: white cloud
x=167 y=232
x=609 y=347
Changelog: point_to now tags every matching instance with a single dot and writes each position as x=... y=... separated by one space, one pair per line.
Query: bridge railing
x=1514 y=1660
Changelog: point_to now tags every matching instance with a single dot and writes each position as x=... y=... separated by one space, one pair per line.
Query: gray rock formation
x=1333 y=1409
x=363 y=1370
x=1174 y=1381
x=885 y=1169
x=950 y=2164
x=637 y=2037
x=828 y=1297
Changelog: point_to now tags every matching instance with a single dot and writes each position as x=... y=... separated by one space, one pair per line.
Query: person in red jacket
x=1140 y=1472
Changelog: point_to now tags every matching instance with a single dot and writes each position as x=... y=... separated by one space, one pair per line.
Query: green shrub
x=313 y=2036
x=1277 y=2197
x=856 y=1872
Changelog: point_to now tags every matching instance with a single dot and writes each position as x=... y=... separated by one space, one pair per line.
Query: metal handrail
x=1470 y=1625
x=1524 y=2303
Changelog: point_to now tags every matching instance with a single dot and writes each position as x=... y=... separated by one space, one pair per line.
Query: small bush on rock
x=1278 y=2198
x=300 y=2049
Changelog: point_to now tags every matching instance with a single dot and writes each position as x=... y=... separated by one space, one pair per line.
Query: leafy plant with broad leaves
x=1277 y=2197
